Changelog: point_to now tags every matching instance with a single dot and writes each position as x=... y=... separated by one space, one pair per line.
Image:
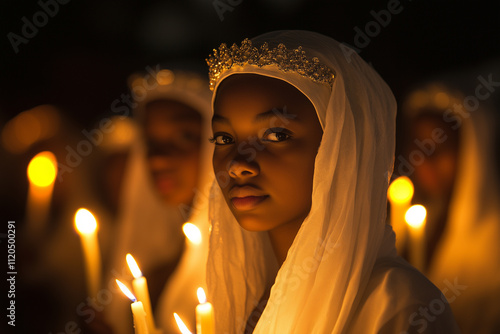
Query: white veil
x=328 y=266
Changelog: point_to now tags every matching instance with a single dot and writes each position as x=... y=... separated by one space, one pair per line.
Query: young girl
x=304 y=148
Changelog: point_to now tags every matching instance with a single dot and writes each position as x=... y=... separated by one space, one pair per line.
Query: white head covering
x=322 y=281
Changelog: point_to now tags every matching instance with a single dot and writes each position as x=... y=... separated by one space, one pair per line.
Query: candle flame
x=400 y=190
x=42 y=169
x=192 y=232
x=182 y=327
x=85 y=221
x=415 y=216
x=126 y=291
x=134 y=268
x=202 y=298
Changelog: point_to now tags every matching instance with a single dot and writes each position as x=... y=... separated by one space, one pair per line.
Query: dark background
x=80 y=59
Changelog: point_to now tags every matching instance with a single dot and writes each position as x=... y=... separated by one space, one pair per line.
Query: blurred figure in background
x=51 y=277
x=456 y=178
x=165 y=185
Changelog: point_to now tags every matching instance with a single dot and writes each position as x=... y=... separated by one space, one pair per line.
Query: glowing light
x=25 y=129
x=202 y=297
x=85 y=221
x=165 y=77
x=182 y=327
x=124 y=134
x=400 y=190
x=42 y=169
x=126 y=290
x=134 y=268
x=415 y=216
x=192 y=232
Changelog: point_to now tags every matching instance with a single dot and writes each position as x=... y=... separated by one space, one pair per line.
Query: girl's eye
x=276 y=135
x=221 y=139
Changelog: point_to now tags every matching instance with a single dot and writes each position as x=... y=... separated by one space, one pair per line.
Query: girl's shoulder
x=400 y=299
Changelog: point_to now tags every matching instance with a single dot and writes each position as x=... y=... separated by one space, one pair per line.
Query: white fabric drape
x=341 y=273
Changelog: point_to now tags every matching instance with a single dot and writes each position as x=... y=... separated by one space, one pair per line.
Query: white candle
x=86 y=226
x=415 y=218
x=400 y=193
x=204 y=315
x=140 y=323
x=141 y=290
x=42 y=172
x=182 y=327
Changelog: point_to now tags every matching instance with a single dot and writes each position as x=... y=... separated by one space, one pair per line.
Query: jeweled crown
x=286 y=59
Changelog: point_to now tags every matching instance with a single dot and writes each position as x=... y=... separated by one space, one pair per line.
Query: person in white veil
x=166 y=184
x=467 y=250
x=304 y=133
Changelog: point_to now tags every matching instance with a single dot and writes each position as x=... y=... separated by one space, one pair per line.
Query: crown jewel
x=286 y=59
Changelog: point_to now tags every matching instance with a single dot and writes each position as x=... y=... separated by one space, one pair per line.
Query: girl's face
x=266 y=136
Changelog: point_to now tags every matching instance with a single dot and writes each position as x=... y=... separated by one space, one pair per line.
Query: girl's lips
x=248 y=202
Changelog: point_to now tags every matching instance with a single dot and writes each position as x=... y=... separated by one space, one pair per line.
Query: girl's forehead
x=257 y=89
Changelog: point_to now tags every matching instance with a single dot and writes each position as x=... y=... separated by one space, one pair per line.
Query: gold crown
x=294 y=60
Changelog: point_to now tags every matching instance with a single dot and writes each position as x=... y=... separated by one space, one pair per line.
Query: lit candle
x=192 y=232
x=204 y=315
x=182 y=327
x=415 y=218
x=140 y=286
x=400 y=193
x=86 y=226
x=138 y=313
x=42 y=172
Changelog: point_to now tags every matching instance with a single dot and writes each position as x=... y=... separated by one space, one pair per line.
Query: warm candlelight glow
x=42 y=169
x=202 y=298
x=415 y=216
x=140 y=317
x=141 y=291
x=204 y=314
x=134 y=268
x=85 y=222
x=192 y=232
x=181 y=325
x=400 y=194
x=400 y=190
x=86 y=226
x=126 y=290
